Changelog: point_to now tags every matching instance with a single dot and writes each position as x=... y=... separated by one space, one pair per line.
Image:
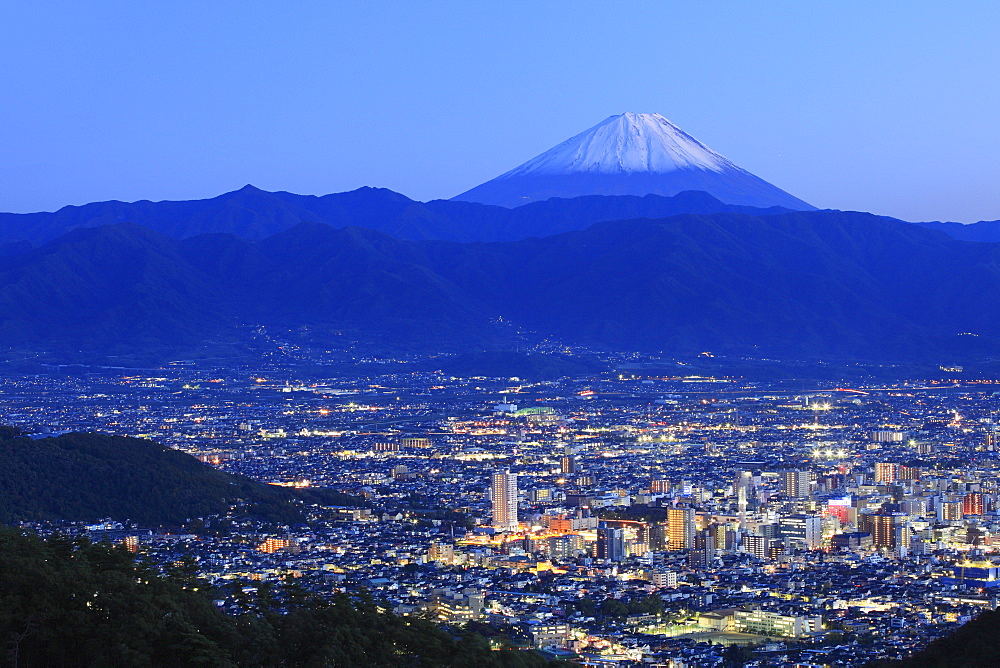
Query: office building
x=801 y=532
x=610 y=544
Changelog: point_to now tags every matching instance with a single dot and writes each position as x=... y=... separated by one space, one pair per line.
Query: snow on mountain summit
x=624 y=144
x=630 y=154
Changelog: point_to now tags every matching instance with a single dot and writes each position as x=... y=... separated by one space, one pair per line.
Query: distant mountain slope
x=984 y=230
x=806 y=284
x=87 y=477
x=558 y=215
x=251 y=213
x=124 y=286
x=630 y=154
x=107 y=282
x=539 y=366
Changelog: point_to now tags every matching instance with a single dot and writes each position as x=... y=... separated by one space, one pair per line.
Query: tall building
x=660 y=486
x=704 y=553
x=610 y=543
x=654 y=535
x=950 y=510
x=565 y=547
x=680 y=528
x=567 y=464
x=972 y=504
x=901 y=536
x=886 y=472
x=504 y=497
x=802 y=532
x=888 y=530
x=796 y=484
x=914 y=507
x=741 y=489
x=444 y=552
x=758 y=546
x=724 y=535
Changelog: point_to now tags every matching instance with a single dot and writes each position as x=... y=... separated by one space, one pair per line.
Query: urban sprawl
x=623 y=519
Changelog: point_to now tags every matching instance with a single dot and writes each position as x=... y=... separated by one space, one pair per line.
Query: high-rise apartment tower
x=504 y=497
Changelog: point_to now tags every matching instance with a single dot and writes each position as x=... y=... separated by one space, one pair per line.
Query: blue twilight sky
x=890 y=107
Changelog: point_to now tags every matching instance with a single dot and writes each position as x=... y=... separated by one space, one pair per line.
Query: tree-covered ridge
x=68 y=602
x=91 y=476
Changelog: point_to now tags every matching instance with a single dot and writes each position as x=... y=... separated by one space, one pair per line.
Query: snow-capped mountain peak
x=630 y=154
x=624 y=144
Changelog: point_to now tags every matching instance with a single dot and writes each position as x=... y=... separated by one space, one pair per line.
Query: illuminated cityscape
x=618 y=518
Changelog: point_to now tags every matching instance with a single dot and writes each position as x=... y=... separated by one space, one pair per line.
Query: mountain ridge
x=386 y=211
x=251 y=213
x=985 y=230
x=805 y=284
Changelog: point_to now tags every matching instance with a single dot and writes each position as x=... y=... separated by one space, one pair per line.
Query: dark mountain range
x=250 y=213
x=808 y=284
x=984 y=230
x=87 y=477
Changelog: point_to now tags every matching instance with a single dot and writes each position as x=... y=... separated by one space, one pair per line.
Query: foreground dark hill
x=805 y=284
x=251 y=213
x=71 y=603
x=975 y=644
x=87 y=477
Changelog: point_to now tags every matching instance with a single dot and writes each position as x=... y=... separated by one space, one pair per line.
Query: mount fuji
x=630 y=154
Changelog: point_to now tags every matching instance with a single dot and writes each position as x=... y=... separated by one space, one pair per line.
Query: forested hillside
x=91 y=476
x=71 y=603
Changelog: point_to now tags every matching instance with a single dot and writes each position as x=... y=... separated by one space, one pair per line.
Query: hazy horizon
x=866 y=108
